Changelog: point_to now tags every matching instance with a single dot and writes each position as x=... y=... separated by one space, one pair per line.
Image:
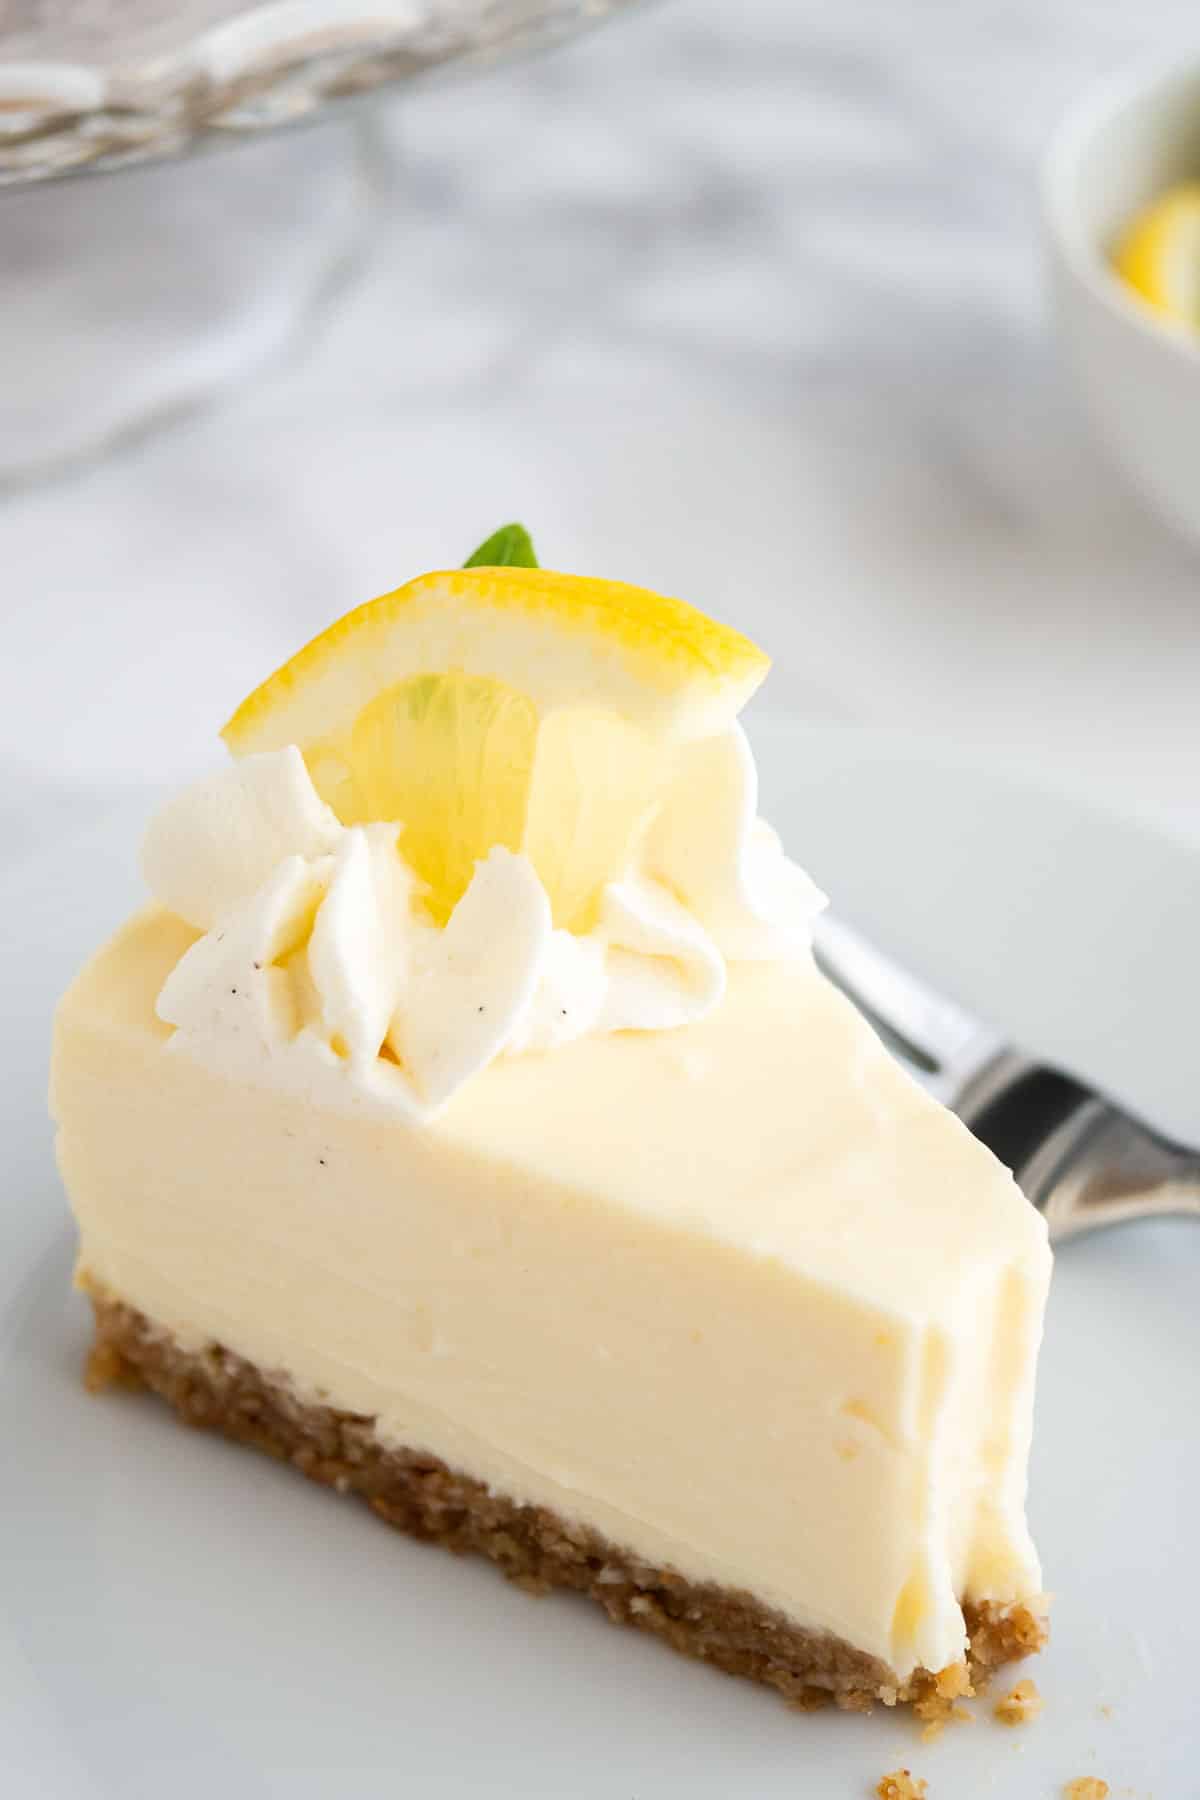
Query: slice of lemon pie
x=466 y=1122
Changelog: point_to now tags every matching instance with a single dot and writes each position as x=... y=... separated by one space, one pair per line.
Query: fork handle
x=1099 y=1167
x=1081 y=1161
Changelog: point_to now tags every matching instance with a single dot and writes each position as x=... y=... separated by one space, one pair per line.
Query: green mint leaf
x=509 y=548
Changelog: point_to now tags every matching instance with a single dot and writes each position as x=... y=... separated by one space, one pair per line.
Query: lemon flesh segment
x=561 y=640
x=465 y=763
x=1159 y=256
x=504 y=706
x=450 y=757
x=595 y=778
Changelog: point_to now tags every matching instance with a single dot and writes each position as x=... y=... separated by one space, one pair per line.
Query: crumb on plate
x=901 y=1785
x=957 y=1715
x=1086 y=1787
x=938 y=1706
x=1019 y=1705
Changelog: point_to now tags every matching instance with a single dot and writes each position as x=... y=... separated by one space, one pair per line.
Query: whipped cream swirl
x=318 y=973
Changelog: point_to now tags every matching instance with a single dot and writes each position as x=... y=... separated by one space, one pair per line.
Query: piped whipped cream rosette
x=319 y=967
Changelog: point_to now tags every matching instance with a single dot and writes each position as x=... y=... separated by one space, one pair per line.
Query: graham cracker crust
x=536 y=1548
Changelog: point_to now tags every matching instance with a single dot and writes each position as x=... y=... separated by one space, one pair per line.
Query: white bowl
x=1139 y=374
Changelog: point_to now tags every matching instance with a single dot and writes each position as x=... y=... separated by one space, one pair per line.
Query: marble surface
x=743 y=302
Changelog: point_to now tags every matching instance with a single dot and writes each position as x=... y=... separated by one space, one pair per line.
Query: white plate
x=180 y=1619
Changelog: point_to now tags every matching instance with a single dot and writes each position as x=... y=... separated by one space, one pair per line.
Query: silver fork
x=1081 y=1160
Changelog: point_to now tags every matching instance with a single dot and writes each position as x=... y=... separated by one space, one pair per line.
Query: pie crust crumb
x=902 y=1785
x=956 y=1715
x=106 y=1367
x=938 y=1706
x=1020 y=1705
x=1086 y=1787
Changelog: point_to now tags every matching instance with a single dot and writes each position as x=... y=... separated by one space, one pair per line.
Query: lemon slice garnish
x=1159 y=255
x=510 y=706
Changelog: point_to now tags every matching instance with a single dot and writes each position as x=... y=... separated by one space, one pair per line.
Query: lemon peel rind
x=648 y=656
